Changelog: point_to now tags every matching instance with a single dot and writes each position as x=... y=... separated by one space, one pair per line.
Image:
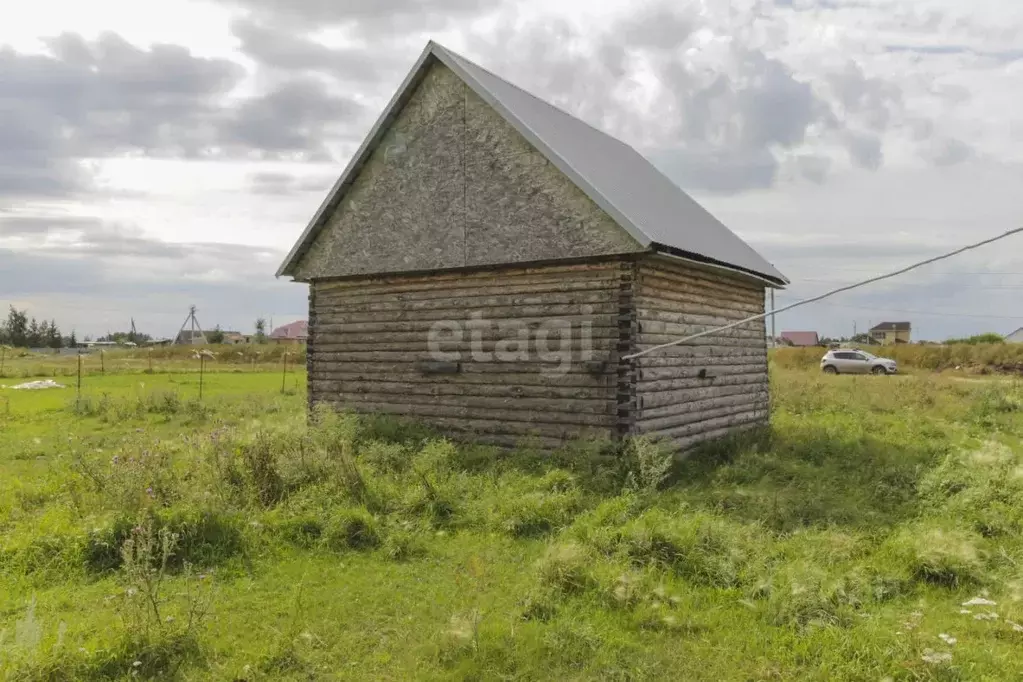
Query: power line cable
x=940 y=313
x=825 y=295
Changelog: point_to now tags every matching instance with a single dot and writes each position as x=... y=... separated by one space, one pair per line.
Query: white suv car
x=847 y=361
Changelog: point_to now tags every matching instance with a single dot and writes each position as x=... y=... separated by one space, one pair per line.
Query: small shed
x=1015 y=337
x=486 y=260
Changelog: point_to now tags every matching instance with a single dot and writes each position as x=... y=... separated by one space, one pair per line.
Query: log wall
x=370 y=349
x=710 y=386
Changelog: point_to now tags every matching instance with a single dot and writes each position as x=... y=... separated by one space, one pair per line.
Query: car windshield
x=868 y=355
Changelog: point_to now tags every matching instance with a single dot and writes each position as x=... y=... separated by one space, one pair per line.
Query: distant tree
x=126 y=337
x=260 y=336
x=72 y=342
x=34 y=337
x=53 y=337
x=17 y=328
x=215 y=336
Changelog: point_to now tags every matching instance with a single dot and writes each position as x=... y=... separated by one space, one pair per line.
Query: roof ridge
x=539 y=99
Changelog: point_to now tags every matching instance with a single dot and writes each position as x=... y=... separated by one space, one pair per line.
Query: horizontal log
x=715 y=319
x=427 y=295
x=705 y=422
x=684 y=443
x=652 y=332
x=661 y=403
x=531 y=346
x=664 y=267
x=327 y=323
x=470 y=303
x=338 y=315
x=557 y=410
x=330 y=361
x=674 y=302
x=681 y=370
x=645 y=387
x=471 y=276
x=720 y=340
x=671 y=299
x=707 y=352
x=510 y=379
x=668 y=279
x=600 y=394
x=603 y=334
x=477 y=423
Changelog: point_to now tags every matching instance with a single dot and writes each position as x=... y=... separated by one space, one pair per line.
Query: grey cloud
x=947 y=152
x=98 y=239
x=871 y=99
x=717 y=129
x=297 y=116
x=34 y=226
x=279 y=49
x=812 y=167
x=377 y=15
x=281 y=184
x=865 y=150
x=107 y=97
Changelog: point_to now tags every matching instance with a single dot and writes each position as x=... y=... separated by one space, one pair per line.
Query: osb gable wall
x=708 y=387
x=370 y=349
x=451 y=185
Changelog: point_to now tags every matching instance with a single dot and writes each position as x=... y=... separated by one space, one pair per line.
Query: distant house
x=1015 y=337
x=294 y=333
x=234 y=338
x=800 y=339
x=891 y=333
x=190 y=337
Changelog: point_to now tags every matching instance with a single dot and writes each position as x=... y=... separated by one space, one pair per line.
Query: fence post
x=150 y=360
x=78 y=389
x=284 y=374
x=3 y=358
x=102 y=364
x=202 y=366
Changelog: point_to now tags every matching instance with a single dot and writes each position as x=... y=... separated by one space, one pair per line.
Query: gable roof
x=891 y=327
x=293 y=330
x=801 y=338
x=640 y=198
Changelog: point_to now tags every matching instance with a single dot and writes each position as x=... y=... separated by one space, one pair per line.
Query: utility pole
x=193 y=325
x=774 y=334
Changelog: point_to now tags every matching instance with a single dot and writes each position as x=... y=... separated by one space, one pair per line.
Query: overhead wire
x=827 y=294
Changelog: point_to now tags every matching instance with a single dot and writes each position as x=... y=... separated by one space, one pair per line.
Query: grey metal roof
x=655 y=211
x=892 y=326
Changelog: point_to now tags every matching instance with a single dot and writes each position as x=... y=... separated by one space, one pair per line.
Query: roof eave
x=769 y=280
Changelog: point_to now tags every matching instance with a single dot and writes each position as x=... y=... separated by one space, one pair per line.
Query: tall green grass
x=837 y=544
x=989 y=357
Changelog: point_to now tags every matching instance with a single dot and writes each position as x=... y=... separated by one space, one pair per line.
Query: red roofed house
x=295 y=333
x=801 y=339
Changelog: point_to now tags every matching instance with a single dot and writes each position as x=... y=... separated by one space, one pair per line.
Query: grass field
x=873 y=532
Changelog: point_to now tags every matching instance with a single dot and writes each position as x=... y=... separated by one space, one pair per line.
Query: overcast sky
x=155 y=155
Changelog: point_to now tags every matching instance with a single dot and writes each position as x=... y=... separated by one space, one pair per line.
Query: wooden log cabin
x=486 y=260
